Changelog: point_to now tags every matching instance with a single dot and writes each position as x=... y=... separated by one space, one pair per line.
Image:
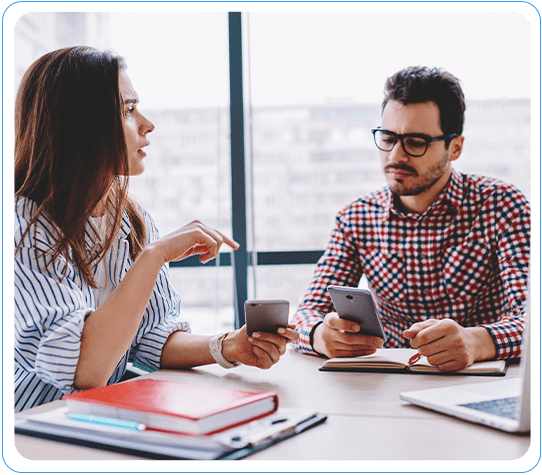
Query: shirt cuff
x=304 y=343
x=507 y=339
x=149 y=349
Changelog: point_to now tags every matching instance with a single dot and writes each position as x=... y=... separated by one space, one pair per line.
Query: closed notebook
x=172 y=406
x=395 y=360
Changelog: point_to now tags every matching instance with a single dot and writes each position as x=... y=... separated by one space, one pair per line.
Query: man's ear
x=455 y=148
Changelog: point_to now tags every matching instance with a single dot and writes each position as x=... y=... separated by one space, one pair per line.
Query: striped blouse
x=51 y=302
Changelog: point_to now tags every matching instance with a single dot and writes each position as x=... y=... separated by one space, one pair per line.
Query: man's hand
x=448 y=345
x=337 y=337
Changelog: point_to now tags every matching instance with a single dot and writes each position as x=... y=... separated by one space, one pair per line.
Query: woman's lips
x=141 y=152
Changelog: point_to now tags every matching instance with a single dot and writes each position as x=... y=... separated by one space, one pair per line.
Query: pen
x=106 y=421
x=414 y=359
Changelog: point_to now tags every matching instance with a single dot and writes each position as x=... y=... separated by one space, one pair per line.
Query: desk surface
x=366 y=418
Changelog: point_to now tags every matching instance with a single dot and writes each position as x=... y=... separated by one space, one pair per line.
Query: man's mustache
x=404 y=168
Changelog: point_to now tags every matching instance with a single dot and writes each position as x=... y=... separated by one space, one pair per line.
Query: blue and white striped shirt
x=51 y=302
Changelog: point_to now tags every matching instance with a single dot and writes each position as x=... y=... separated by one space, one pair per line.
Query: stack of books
x=164 y=419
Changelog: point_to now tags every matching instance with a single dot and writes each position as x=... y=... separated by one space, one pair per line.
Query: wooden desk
x=366 y=418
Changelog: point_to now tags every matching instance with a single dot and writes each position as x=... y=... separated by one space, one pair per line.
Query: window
x=310 y=100
x=316 y=92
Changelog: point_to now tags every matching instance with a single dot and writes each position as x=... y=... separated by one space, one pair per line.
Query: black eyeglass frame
x=401 y=138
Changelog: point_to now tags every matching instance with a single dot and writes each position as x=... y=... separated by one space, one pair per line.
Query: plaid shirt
x=466 y=258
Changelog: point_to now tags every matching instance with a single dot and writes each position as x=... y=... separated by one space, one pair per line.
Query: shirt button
x=426 y=292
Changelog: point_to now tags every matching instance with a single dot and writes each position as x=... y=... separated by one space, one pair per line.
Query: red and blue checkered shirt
x=466 y=258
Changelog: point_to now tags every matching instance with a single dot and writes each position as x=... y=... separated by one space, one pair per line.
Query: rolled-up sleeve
x=160 y=320
x=49 y=319
x=52 y=302
x=161 y=317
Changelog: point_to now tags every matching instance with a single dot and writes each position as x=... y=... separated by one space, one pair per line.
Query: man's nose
x=397 y=153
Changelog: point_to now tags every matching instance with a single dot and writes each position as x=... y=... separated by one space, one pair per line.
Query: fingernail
x=356 y=328
x=250 y=338
x=256 y=335
x=281 y=330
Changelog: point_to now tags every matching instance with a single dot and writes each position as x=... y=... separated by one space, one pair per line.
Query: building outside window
x=311 y=101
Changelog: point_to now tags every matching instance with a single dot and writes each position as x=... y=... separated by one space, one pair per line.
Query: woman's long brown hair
x=70 y=151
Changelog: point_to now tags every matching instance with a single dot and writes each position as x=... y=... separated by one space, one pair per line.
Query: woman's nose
x=146 y=126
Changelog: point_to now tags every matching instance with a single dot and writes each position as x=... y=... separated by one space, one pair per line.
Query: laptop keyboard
x=505 y=407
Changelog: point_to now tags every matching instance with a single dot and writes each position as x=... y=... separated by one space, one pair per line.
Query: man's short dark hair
x=418 y=84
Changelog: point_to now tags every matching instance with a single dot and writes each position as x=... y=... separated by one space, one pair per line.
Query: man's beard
x=426 y=181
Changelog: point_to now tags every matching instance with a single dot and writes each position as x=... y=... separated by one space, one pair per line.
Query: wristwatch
x=215 y=345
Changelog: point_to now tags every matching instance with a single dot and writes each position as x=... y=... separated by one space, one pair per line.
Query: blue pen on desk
x=106 y=421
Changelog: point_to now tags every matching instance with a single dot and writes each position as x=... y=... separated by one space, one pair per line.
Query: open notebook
x=503 y=404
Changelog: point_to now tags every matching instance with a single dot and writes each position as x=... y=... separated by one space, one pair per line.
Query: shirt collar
x=453 y=193
x=125 y=225
x=94 y=224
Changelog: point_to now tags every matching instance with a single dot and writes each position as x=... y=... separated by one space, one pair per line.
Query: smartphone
x=266 y=315
x=357 y=305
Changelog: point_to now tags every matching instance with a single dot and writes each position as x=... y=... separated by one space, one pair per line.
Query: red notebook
x=172 y=406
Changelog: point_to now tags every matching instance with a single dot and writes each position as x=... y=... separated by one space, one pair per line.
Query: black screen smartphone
x=357 y=305
x=266 y=315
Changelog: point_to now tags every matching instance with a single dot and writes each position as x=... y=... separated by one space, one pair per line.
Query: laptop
x=503 y=404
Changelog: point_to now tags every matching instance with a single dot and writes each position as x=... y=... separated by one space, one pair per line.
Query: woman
x=92 y=290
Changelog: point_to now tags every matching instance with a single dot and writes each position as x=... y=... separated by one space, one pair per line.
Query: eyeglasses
x=414 y=145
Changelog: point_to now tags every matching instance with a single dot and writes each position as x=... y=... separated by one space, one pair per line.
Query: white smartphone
x=266 y=315
x=357 y=305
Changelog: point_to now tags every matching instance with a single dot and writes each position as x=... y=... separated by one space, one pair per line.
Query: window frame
x=242 y=260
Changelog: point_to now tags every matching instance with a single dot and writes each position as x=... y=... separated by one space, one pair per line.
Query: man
x=446 y=255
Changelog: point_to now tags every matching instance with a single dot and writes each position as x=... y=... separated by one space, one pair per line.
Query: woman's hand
x=192 y=239
x=262 y=350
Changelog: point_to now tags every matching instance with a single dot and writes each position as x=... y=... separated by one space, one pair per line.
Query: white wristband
x=215 y=345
